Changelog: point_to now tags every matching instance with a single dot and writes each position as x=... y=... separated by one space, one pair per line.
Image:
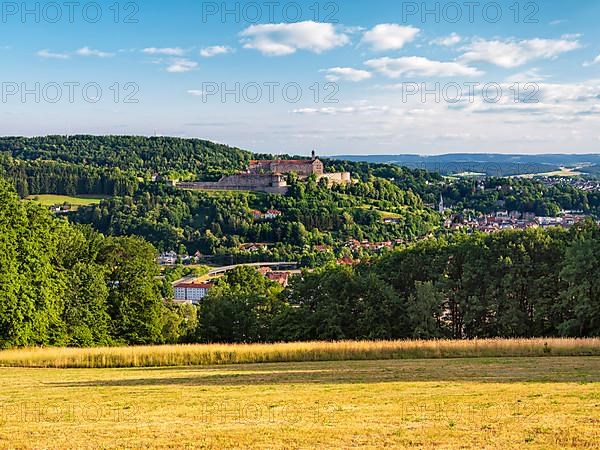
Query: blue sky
x=344 y=77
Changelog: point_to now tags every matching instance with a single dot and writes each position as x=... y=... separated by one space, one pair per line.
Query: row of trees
x=521 y=195
x=62 y=284
x=69 y=285
x=512 y=284
x=49 y=177
x=143 y=155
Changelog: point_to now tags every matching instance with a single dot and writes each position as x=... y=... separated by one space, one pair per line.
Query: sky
x=346 y=77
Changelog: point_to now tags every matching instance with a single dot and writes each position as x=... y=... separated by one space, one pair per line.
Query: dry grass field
x=475 y=403
x=217 y=354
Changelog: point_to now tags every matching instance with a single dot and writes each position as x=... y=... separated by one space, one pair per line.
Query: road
x=225 y=269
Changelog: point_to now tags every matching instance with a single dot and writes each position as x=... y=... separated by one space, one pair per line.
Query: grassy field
x=562 y=172
x=51 y=200
x=483 y=403
x=217 y=354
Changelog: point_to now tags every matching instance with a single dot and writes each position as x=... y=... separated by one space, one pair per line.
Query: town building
x=279 y=277
x=191 y=292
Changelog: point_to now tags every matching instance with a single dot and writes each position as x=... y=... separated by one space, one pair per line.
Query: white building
x=167 y=259
x=192 y=292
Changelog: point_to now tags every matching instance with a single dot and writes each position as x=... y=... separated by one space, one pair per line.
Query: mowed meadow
x=474 y=403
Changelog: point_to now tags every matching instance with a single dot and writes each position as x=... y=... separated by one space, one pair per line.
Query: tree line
x=68 y=285
x=511 y=284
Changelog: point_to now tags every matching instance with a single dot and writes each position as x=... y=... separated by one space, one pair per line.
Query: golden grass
x=222 y=354
x=485 y=403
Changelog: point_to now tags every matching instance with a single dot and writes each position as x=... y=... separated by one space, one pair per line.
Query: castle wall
x=269 y=183
x=302 y=168
x=337 y=178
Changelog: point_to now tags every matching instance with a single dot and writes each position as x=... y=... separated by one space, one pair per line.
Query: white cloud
x=591 y=63
x=528 y=76
x=346 y=74
x=51 y=55
x=418 y=66
x=195 y=93
x=448 y=41
x=86 y=51
x=512 y=53
x=389 y=36
x=168 y=51
x=346 y=110
x=215 y=50
x=557 y=22
x=287 y=38
x=181 y=66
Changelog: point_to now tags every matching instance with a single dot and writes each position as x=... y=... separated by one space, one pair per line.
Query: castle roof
x=283 y=161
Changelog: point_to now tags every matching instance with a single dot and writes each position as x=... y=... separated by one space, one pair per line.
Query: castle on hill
x=271 y=176
x=303 y=168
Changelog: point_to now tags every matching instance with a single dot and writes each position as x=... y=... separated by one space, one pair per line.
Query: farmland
x=549 y=402
x=52 y=200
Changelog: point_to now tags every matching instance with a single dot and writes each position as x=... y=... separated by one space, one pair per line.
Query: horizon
x=325 y=155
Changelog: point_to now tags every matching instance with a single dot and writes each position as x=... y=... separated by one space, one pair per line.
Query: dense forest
x=218 y=223
x=146 y=156
x=63 y=284
x=69 y=285
x=518 y=194
x=92 y=278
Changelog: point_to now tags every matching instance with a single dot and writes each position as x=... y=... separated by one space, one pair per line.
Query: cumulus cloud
x=209 y=52
x=448 y=41
x=512 y=53
x=346 y=74
x=287 y=38
x=181 y=65
x=419 y=66
x=86 y=51
x=167 y=51
x=52 y=55
x=389 y=36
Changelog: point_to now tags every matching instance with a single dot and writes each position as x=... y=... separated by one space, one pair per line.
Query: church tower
x=441 y=206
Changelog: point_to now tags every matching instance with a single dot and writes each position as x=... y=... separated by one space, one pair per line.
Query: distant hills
x=491 y=164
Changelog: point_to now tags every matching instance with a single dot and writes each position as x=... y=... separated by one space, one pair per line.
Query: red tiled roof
x=282 y=161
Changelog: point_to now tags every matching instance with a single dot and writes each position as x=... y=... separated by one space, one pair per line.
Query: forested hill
x=116 y=165
x=144 y=155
